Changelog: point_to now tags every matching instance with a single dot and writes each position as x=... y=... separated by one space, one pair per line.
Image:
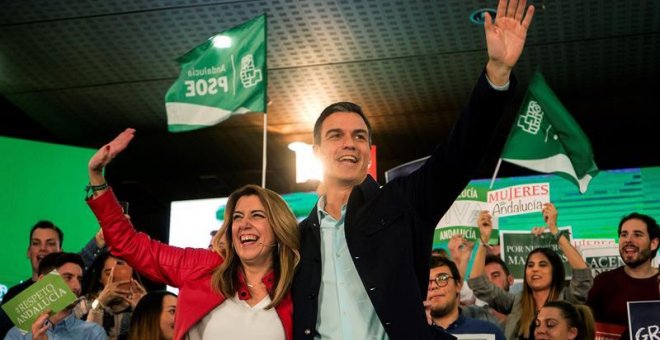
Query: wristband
x=561 y=233
x=91 y=189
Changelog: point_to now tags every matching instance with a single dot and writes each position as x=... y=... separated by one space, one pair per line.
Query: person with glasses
x=443 y=302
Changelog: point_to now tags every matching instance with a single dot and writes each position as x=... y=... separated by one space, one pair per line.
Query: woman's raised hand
x=110 y=150
x=106 y=153
x=485 y=223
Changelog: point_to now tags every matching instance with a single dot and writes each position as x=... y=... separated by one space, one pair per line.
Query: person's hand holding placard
x=49 y=293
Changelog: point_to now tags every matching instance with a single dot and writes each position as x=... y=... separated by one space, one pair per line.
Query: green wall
x=40 y=181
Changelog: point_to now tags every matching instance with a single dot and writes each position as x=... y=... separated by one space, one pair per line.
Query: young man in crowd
x=443 y=296
x=63 y=324
x=637 y=280
x=460 y=250
x=46 y=238
x=365 y=248
x=498 y=273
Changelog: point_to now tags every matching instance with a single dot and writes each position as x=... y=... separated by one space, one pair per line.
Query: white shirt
x=235 y=319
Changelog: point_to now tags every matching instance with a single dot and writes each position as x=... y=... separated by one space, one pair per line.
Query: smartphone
x=124 y=206
x=123 y=272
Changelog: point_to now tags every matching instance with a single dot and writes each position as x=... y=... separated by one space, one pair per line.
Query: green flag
x=224 y=76
x=545 y=138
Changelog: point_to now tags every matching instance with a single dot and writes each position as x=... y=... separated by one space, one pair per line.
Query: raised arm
x=582 y=279
x=485 y=223
x=158 y=261
x=460 y=250
x=574 y=257
x=104 y=156
x=505 y=38
x=483 y=289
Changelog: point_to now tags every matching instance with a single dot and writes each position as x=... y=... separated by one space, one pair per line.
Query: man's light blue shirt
x=345 y=311
x=70 y=328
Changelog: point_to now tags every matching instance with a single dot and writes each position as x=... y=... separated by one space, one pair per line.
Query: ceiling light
x=221 y=41
x=478 y=18
x=308 y=167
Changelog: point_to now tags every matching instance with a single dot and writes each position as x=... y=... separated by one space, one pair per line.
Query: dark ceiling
x=78 y=72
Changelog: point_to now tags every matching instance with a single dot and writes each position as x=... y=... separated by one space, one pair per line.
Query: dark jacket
x=389 y=229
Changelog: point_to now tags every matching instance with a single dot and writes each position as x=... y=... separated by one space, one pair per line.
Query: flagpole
x=497 y=169
x=263 y=158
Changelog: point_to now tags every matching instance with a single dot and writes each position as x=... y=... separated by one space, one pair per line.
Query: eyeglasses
x=441 y=280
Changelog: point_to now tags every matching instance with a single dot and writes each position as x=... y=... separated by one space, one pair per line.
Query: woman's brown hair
x=577 y=316
x=528 y=314
x=145 y=320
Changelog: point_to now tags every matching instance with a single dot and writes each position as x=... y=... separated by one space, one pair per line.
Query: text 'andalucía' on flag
x=224 y=76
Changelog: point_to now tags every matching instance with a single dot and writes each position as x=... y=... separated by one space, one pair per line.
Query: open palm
x=109 y=151
x=505 y=37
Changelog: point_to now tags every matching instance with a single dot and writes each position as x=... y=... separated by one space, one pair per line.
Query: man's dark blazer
x=389 y=229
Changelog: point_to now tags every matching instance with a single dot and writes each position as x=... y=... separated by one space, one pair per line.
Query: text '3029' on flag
x=224 y=76
x=546 y=138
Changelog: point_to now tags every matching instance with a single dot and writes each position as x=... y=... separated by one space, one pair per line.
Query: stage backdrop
x=40 y=181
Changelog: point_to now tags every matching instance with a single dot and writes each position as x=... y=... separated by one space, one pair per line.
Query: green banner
x=461 y=218
x=222 y=77
x=546 y=138
x=442 y=235
x=516 y=245
x=50 y=292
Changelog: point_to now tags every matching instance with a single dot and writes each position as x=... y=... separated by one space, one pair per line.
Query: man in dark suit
x=365 y=248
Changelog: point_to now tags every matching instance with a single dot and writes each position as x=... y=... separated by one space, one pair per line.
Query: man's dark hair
x=339 y=107
x=651 y=227
x=439 y=261
x=56 y=260
x=47 y=225
x=496 y=259
x=439 y=252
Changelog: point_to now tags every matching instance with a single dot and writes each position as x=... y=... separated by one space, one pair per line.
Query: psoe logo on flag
x=250 y=76
x=530 y=122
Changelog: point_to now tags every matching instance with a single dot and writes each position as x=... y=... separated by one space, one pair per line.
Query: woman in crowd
x=153 y=318
x=112 y=290
x=560 y=320
x=244 y=294
x=543 y=280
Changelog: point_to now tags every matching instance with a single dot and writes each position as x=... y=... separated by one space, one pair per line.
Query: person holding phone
x=242 y=292
x=113 y=289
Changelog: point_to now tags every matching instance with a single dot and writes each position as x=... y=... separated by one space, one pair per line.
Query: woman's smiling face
x=252 y=235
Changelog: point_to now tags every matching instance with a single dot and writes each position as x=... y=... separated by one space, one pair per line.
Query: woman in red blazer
x=236 y=290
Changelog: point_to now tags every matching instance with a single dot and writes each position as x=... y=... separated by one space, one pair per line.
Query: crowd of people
x=548 y=306
x=358 y=266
